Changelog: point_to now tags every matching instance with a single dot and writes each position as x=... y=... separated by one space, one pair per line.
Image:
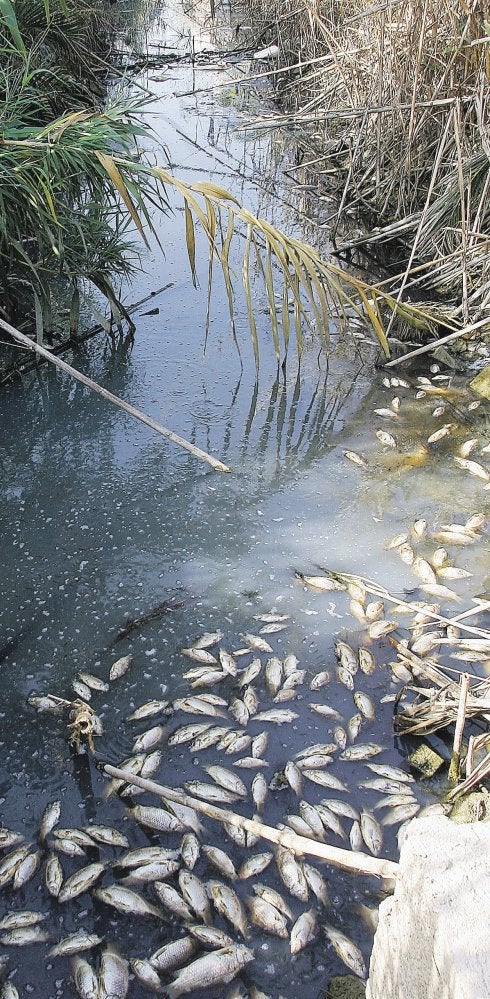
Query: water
x=103 y=519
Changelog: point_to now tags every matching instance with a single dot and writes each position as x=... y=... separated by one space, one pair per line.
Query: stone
x=481 y=383
x=432 y=937
x=346 y=987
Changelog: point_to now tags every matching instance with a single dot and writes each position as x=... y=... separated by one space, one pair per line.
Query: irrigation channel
x=103 y=520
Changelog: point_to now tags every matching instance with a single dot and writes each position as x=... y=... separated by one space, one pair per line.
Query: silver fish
x=273 y=675
x=80 y=881
x=78 y=836
x=250 y=673
x=250 y=763
x=148 y=710
x=330 y=821
x=365 y=704
x=211 y=792
x=173 y=901
x=317 y=883
x=319 y=748
x=391 y=772
x=357 y=459
x=24 y=936
x=291 y=874
x=347 y=950
x=354 y=726
x=210 y=936
x=11 y=862
x=127 y=901
x=311 y=816
x=277 y=716
x=186 y=733
x=194 y=893
x=148 y=873
x=259 y=791
x=340 y=736
x=107 y=835
x=325 y=779
x=258 y=643
x=213 y=969
x=208 y=738
x=268 y=918
x=219 y=859
x=75 y=943
x=53 y=875
x=94 y=682
x=190 y=850
x=16 y=920
x=146 y=855
x=372 y=833
x=259 y=744
x=113 y=975
x=85 y=979
x=304 y=931
x=173 y=954
x=274 y=898
x=317 y=761
x=363 y=751
x=325 y=710
x=82 y=690
x=147 y=740
x=346 y=657
x=49 y=819
x=200 y=656
x=120 y=667
x=207 y=640
x=145 y=972
x=196 y=705
x=228 y=904
x=26 y=869
x=253 y=866
x=156 y=818
x=341 y=808
x=239 y=711
x=9 y=838
x=227 y=779
x=400 y=813
x=320 y=680
x=272 y=628
x=367 y=662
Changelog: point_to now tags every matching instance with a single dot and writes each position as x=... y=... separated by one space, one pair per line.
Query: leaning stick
x=359 y=863
x=136 y=413
x=458 y=730
x=466 y=331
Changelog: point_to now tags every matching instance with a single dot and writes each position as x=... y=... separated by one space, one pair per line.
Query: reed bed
x=393 y=98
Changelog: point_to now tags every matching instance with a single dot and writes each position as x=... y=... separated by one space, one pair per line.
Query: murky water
x=102 y=520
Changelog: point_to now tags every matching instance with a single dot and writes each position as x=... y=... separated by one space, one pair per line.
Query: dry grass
x=397 y=118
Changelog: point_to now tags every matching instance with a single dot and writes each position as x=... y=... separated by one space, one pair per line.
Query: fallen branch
x=359 y=863
x=136 y=413
x=458 y=731
x=466 y=331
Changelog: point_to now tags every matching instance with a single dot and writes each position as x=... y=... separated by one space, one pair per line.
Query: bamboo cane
x=358 y=863
x=458 y=731
x=136 y=413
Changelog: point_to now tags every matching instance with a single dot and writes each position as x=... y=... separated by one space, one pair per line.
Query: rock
x=425 y=760
x=346 y=987
x=472 y=807
x=432 y=938
x=481 y=383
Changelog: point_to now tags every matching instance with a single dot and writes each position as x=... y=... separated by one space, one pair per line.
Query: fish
x=259 y=791
x=274 y=898
x=345 y=676
x=391 y=772
x=325 y=710
x=82 y=690
x=321 y=748
x=151 y=872
x=317 y=761
x=267 y=917
x=259 y=744
x=49 y=818
x=194 y=893
x=75 y=943
x=145 y=855
x=207 y=640
x=196 y=705
x=229 y=906
x=367 y=662
x=272 y=629
x=330 y=821
x=250 y=763
x=347 y=950
x=400 y=813
x=453 y=572
x=354 y=726
x=258 y=643
x=85 y=978
x=321 y=582
x=363 y=751
x=77 y=836
x=392 y=800
x=320 y=680
x=372 y=833
x=386 y=439
x=304 y=931
x=293 y=776
x=340 y=736
x=147 y=740
x=107 y=835
x=379 y=629
x=220 y=966
x=254 y=865
x=127 y=901
x=355 y=837
x=156 y=818
x=291 y=874
x=346 y=657
x=146 y=974
x=94 y=682
x=473 y=467
x=53 y=875
x=208 y=738
x=397 y=541
x=211 y=792
x=384 y=785
x=26 y=869
x=173 y=901
x=190 y=850
x=438 y=435
x=387 y=413
x=317 y=883
x=148 y=710
x=186 y=733
x=273 y=675
x=277 y=716
x=219 y=859
x=173 y=954
x=325 y=779
x=24 y=936
x=365 y=704
x=227 y=779
x=10 y=863
x=341 y=808
x=113 y=975
x=200 y=656
x=250 y=673
x=48 y=703
x=120 y=667
x=423 y=570
x=210 y=936
x=9 y=838
x=80 y=882
x=239 y=711
x=420 y=527
x=17 y=920
x=437 y=590
x=357 y=459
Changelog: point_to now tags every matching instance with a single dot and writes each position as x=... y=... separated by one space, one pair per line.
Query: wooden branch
x=136 y=413
x=466 y=331
x=458 y=730
x=358 y=863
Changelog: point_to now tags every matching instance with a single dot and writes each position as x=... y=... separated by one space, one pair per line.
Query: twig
x=136 y=413
x=458 y=730
x=466 y=331
x=359 y=863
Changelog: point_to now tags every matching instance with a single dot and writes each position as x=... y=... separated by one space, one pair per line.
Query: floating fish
x=347 y=950
x=120 y=667
x=220 y=966
x=267 y=917
x=357 y=459
x=304 y=931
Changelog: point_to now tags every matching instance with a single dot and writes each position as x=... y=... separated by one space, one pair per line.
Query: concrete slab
x=433 y=937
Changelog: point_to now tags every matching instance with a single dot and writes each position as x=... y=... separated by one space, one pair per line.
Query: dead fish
x=340 y=736
x=322 y=748
x=379 y=629
x=24 y=936
x=355 y=837
x=330 y=821
x=390 y=772
x=120 y=667
x=277 y=716
x=320 y=680
x=194 y=893
x=53 y=875
x=253 y=866
x=363 y=751
x=173 y=901
x=127 y=901
x=347 y=950
x=325 y=710
x=437 y=590
x=424 y=570
x=357 y=459
x=229 y=906
x=259 y=744
x=78 y=836
x=48 y=703
x=354 y=726
x=341 y=808
x=156 y=818
x=80 y=882
x=200 y=656
x=406 y=553
x=106 y=835
x=75 y=943
x=9 y=838
x=173 y=954
x=190 y=850
x=259 y=791
x=439 y=434
x=258 y=643
x=208 y=738
x=147 y=740
x=17 y=920
x=367 y=662
x=272 y=629
x=85 y=978
x=291 y=874
x=207 y=640
x=317 y=883
x=267 y=917
x=145 y=855
x=400 y=813
x=474 y=468
x=148 y=709
x=186 y=733
x=273 y=675
x=386 y=439
x=49 y=819
x=235 y=742
x=365 y=704
x=227 y=779
x=317 y=761
x=113 y=975
x=304 y=931
x=82 y=690
x=26 y=869
x=250 y=763
x=372 y=833
x=321 y=582
x=384 y=785
x=250 y=673
x=211 y=792
x=219 y=859
x=228 y=663
x=239 y=711
x=397 y=541
x=325 y=779
x=210 y=936
x=146 y=974
x=94 y=682
x=220 y=966
x=149 y=873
